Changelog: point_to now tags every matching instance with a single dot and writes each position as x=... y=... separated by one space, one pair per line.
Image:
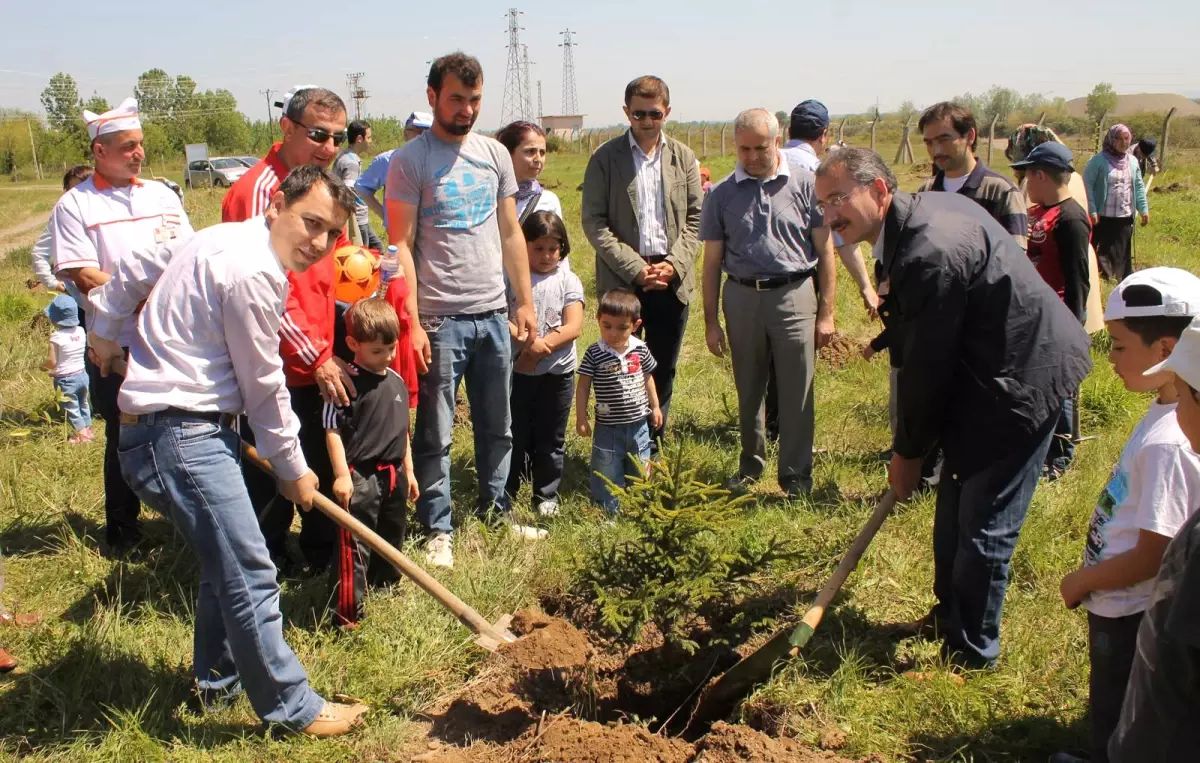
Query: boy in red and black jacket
x=1059 y=232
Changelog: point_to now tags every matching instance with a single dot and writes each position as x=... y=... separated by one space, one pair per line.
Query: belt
x=216 y=417
x=763 y=284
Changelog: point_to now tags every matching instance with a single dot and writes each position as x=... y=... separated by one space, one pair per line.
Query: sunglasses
x=641 y=114
x=321 y=135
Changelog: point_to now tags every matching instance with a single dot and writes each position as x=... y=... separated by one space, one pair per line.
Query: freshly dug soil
x=840 y=350
x=527 y=703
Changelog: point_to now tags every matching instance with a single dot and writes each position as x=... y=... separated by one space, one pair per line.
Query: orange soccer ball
x=356 y=274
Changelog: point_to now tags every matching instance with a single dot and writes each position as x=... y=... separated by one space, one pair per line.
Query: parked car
x=218 y=171
x=249 y=161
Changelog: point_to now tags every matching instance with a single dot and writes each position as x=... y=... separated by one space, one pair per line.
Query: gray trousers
x=774 y=325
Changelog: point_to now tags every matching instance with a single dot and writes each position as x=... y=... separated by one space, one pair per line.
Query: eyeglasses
x=321 y=135
x=641 y=114
x=835 y=201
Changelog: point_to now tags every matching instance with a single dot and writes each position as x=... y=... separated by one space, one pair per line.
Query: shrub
x=678 y=559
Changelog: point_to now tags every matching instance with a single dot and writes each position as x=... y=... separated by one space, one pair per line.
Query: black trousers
x=318 y=533
x=1112 y=643
x=378 y=502
x=664 y=321
x=541 y=407
x=121 y=504
x=370 y=240
x=1113 y=237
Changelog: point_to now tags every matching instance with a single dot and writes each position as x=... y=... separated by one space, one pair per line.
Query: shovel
x=488 y=636
x=723 y=694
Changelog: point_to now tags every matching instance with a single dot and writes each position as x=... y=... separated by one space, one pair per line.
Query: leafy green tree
x=155 y=93
x=96 y=104
x=61 y=102
x=1100 y=101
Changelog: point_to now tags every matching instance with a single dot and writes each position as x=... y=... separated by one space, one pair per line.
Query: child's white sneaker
x=528 y=532
x=548 y=508
x=439 y=551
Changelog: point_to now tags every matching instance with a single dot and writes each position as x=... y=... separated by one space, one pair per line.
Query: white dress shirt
x=652 y=214
x=96 y=225
x=208 y=337
x=802 y=154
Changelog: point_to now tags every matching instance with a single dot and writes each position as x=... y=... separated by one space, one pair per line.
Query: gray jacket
x=610 y=214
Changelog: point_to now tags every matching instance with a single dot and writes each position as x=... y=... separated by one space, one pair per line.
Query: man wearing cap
x=205 y=350
x=314 y=126
x=761 y=227
x=986 y=353
x=347 y=167
x=950 y=136
x=94 y=226
x=374 y=178
x=1059 y=233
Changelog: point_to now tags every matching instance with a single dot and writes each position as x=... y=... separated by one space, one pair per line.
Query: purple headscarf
x=1119 y=160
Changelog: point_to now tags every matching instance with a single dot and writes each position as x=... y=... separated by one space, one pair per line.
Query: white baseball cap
x=1179 y=289
x=1184 y=361
x=420 y=119
x=289 y=95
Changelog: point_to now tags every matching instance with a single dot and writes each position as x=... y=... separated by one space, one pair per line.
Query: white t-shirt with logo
x=954 y=185
x=69 y=345
x=1155 y=486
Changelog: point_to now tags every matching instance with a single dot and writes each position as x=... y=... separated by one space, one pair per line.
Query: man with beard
x=314 y=126
x=452 y=216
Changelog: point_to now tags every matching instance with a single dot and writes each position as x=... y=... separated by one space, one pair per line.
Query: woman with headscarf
x=526 y=142
x=1115 y=191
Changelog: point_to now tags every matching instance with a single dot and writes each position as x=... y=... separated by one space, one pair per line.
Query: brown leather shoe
x=335 y=719
x=27 y=620
x=7 y=661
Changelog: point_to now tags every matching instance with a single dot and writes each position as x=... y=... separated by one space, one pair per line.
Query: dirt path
x=22 y=233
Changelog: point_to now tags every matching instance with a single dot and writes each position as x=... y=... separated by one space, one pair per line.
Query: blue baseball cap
x=1053 y=155
x=63 y=311
x=421 y=119
x=810 y=117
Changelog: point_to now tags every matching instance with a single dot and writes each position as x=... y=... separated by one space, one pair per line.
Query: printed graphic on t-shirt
x=1115 y=493
x=464 y=194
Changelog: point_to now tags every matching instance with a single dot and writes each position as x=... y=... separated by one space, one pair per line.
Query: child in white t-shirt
x=68 y=343
x=1154 y=488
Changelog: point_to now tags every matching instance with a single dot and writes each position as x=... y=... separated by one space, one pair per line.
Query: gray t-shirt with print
x=456 y=188
x=552 y=292
x=346 y=168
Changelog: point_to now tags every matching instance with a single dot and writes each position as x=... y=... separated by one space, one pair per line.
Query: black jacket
x=987 y=352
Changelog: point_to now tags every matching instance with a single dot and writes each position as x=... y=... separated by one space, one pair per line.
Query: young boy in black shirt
x=369 y=447
x=1059 y=232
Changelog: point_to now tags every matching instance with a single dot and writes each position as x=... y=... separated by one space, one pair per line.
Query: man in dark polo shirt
x=762 y=228
x=950 y=137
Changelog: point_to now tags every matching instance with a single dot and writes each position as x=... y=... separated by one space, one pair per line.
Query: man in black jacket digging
x=986 y=355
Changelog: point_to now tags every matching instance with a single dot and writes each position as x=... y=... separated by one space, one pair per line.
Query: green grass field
x=106 y=676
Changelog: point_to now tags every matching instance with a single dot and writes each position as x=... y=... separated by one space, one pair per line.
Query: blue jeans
x=975 y=529
x=478 y=348
x=1062 y=447
x=74 y=389
x=614 y=448
x=187 y=468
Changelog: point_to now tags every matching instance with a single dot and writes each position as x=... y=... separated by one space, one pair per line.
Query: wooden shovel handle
x=466 y=615
x=812 y=618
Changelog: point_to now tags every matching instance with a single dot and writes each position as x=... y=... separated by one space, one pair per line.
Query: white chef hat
x=123 y=117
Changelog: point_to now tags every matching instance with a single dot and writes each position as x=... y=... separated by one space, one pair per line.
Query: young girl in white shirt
x=68 y=343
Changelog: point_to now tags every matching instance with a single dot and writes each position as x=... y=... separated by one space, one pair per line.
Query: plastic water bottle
x=389 y=265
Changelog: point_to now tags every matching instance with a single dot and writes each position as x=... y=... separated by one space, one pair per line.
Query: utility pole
x=527 y=84
x=570 y=103
x=357 y=93
x=540 y=111
x=33 y=147
x=270 y=115
x=516 y=104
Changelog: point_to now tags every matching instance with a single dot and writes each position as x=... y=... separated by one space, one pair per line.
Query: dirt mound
x=546 y=643
x=554 y=695
x=840 y=350
x=734 y=744
x=1172 y=188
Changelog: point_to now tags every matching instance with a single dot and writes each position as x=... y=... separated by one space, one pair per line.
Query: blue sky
x=718 y=57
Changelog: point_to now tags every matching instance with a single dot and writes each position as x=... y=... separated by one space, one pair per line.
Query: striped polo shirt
x=995 y=193
x=619 y=381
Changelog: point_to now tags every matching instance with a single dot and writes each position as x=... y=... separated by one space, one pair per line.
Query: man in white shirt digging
x=206 y=349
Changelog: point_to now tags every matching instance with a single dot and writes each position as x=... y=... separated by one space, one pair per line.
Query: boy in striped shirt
x=620 y=367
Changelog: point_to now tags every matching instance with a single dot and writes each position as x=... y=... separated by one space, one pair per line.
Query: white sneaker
x=439 y=551
x=528 y=532
x=548 y=508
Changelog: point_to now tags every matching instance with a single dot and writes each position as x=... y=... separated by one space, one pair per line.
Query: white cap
x=1180 y=292
x=1184 y=361
x=421 y=119
x=287 y=97
x=123 y=117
